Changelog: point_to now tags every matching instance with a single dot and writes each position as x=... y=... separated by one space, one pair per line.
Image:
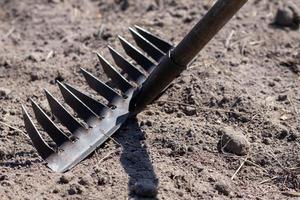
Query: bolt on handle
x=178 y=58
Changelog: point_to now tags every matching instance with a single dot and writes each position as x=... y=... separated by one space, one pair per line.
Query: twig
x=112 y=139
x=227 y=42
x=14 y=128
x=9 y=33
x=291 y=194
x=256 y=165
x=270 y=179
x=238 y=169
x=108 y=155
x=49 y=55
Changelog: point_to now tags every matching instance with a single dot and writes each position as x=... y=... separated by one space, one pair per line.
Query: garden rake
x=146 y=83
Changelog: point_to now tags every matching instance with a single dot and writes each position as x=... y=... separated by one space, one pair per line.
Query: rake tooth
x=163 y=45
x=136 y=55
x=62 y=114
x=144 y=44
x=134 y=73
x=100 y=87
x=38 y=142
x=53 y=131
x=78 y=106
x=97 y=107
x=117 y=78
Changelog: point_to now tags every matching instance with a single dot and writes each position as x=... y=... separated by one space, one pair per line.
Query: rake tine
x=144 y=44
x=62 y=114
x=78 y=106
x=134 y=73
x=48 y=125
x=97 y=107
x=38 y=142
x=100 y=87
x=136 y=55
x=116 y=77
x=158 y=42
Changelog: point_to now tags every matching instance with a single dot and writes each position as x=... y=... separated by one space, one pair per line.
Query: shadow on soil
x=136 y=161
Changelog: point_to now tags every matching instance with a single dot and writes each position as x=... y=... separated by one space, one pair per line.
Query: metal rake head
x=101 y=121
x=150 y=80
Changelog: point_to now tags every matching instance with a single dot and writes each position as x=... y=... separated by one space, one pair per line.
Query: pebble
x=101 y=181
x=189 y=110
x=223 y=188
x=4 y=92
x=144 y=188
x=3 y=177
x=282 y=133
x=233 y=141
x=266 y=141
x=287 y=16
x=34 y=76
x=75 y=189
x=282 y=97
x=64 y=179
x=32 y=57
x=85 y=180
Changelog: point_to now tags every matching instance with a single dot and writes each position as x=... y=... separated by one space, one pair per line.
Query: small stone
x=32 y=57
x=287 y=16
x=233 y=141
x=282 y=134
x=64 y=179
x=223 y=188
x=59 y=77
x=101 y=181
x=282 y=97
x=144 y=188
x=34 y=76
x=86 y=180
x=271 y=84
x=3 y=177
x=4 y=92
x=75 y=189
x=55 y=190
x=148 y=123
x=266 y=141
x=6 y=183
x=190 y=111
x=124 y=5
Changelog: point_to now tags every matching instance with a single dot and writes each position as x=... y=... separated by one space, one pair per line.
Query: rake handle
x=205 y=30
x=178 y=58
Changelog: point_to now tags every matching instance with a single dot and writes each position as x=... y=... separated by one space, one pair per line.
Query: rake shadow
x=135 y=159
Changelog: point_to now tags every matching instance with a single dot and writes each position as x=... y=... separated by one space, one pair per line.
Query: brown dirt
x=248 y=82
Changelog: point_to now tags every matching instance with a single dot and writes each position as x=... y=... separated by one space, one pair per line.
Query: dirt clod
x=34 y=76
x=75 y=189
x=282 y=97
x=85 y=180
x=233 y=141
x=287 y=16
x=223 y=188
x=64 y=179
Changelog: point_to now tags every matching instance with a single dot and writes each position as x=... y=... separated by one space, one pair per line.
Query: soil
x=246 y=78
